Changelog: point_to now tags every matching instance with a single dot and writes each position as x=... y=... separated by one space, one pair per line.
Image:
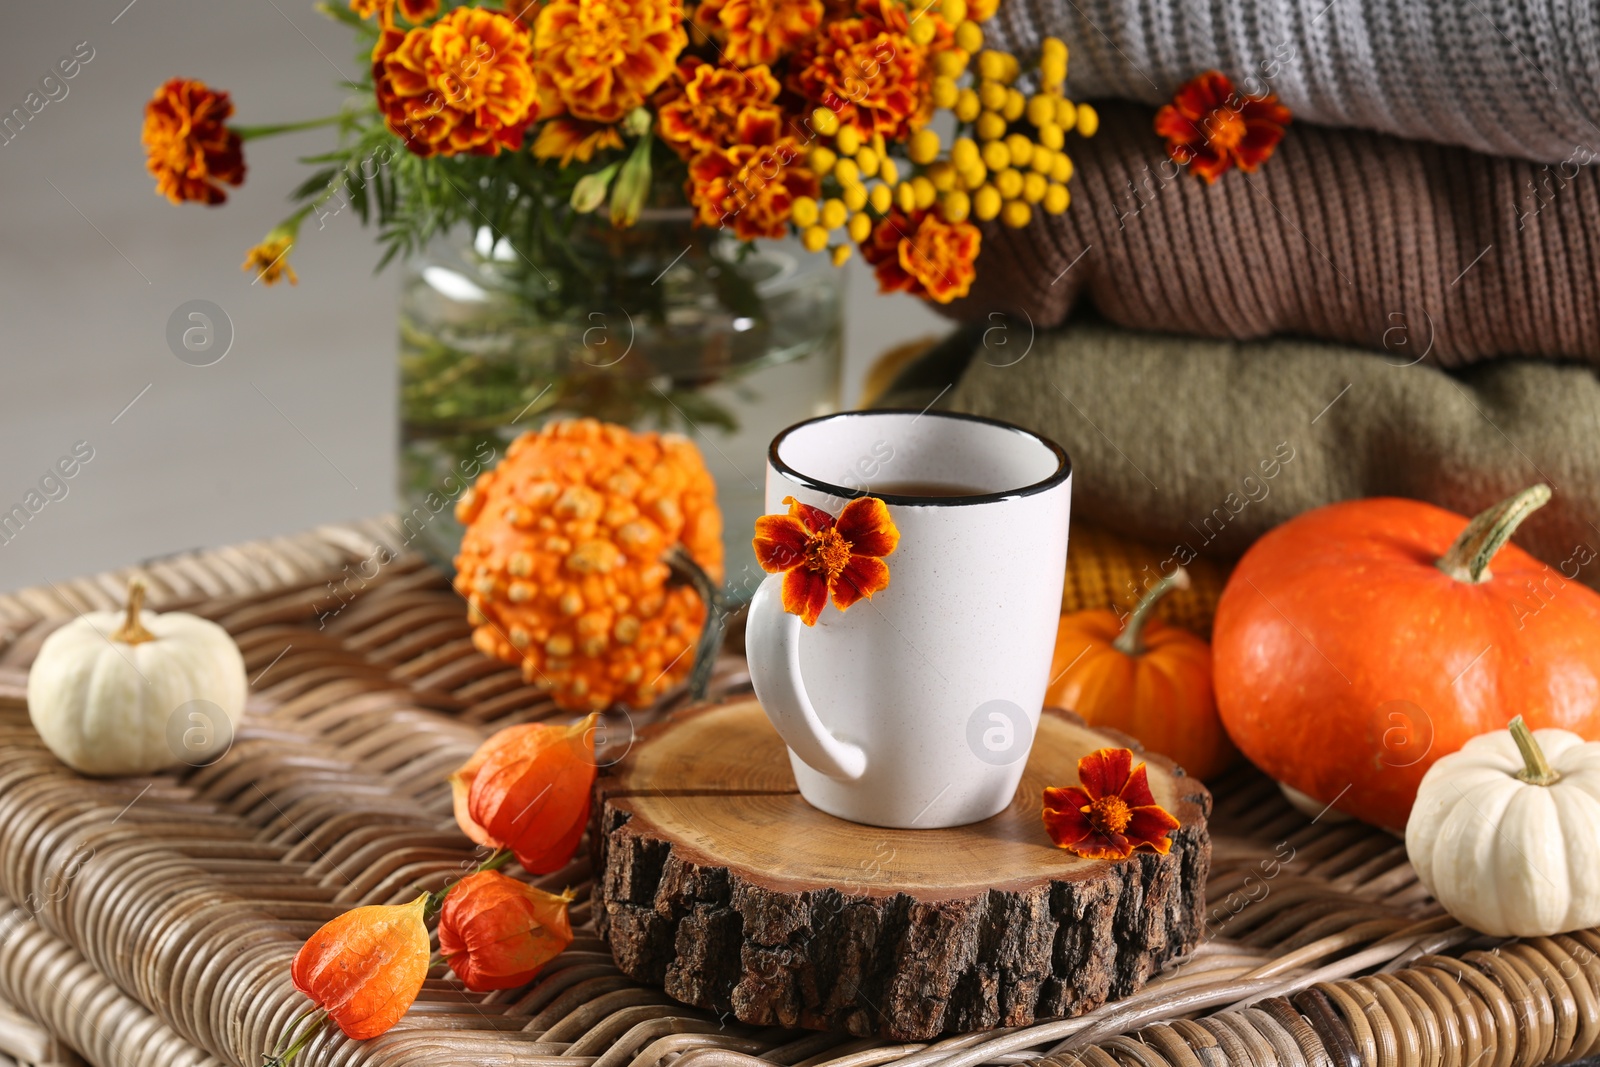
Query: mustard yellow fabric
x=1107 y=570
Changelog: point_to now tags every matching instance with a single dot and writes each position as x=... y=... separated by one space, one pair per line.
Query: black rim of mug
x=1062 y=472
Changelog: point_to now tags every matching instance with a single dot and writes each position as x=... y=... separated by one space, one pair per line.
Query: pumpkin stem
x=1468 y=559
x=132 y=630
x=1537 y=769
x=1128 y=642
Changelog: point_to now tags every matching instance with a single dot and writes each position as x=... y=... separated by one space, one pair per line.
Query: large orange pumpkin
x=1358 y=643
x=1147 y=678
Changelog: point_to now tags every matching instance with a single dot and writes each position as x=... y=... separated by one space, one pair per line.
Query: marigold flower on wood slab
x=1113 y=814
x=818 y=554
x=497 y=932
x=189 y=147
x=1210 y=127
x=365 y=967
x=462 y=84
x=527 y=789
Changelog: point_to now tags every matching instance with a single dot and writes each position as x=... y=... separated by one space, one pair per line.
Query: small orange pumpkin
x=1148 y=679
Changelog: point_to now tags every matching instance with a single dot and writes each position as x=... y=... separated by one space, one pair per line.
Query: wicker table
x=151 y=922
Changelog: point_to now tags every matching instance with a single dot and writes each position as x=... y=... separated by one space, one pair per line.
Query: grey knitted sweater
x=1505 y=77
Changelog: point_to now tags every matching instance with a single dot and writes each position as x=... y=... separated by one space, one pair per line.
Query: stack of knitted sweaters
x=1404 y=298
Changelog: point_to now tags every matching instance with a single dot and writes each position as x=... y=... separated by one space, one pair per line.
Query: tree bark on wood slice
x=716 y=881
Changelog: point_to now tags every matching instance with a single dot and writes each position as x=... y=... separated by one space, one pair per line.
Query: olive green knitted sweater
x=1201 y=446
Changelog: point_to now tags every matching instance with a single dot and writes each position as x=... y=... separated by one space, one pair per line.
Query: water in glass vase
x=663 y=326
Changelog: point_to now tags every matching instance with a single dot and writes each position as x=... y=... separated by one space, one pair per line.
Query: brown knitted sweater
x=1424 y=250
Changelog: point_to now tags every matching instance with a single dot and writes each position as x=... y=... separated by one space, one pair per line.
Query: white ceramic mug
x=917 y=708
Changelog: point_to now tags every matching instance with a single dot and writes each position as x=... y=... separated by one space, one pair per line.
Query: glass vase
x=661 y=326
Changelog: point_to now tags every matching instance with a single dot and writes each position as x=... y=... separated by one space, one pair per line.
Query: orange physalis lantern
x=365 y=967
x=527 y=789
x=563 y=560
x=1113 y=815
x=497 y=932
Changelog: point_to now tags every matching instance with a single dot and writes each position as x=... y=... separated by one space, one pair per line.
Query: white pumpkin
x=1503 y=832
x=135 y=693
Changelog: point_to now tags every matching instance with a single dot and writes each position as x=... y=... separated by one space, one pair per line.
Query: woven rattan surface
x=151 y=922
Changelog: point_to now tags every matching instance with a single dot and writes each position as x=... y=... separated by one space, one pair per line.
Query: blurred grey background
x=296 y=425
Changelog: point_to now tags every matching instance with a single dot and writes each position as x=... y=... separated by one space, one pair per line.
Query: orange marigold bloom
x=569 y=139
x=1114 y=815
x=923 y=255
x=419 y=11
x=415 y=11
x=188 y=145
x=366 y=966
x=269 y=260
x=527 y=789
x=818 y=554
x=600 y=59
x=752 y=185
x=497 y=932
x=1209 y=127
x=759 y=31
x=703 y=111
x=868 y=72
x=463 y=84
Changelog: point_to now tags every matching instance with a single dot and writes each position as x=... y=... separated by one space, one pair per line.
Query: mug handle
x=772 y=646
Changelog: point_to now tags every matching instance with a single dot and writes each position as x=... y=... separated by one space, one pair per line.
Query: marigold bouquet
x=768 y=118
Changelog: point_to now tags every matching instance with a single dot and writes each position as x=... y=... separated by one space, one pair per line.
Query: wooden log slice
x=719 y=883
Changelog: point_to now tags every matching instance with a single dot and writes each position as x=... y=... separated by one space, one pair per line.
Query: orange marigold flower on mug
x=871 y=76
x=1210 y=127
x=463 y=84
x=527 y=789
x=600 y=59
x=819 y=555
x=496 y=932
x=365 y=967
x=703 y=111
x=923 y=255
x=758 y=31
x=752 y=186
x=1113 y=815
x=573 y=139
x=189 y=147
